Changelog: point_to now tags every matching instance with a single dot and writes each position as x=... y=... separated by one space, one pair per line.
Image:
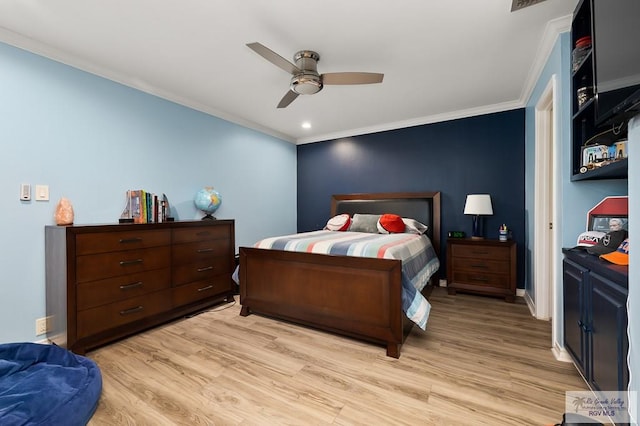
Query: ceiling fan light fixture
x=306 y=79
x=306 y=84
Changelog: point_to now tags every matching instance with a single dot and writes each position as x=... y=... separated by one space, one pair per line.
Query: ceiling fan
x=305 y=78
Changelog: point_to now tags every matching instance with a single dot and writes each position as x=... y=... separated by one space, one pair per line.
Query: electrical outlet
x=41 y=326
x=442 y=283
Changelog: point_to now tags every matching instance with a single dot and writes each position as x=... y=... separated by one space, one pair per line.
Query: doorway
x=545 y=233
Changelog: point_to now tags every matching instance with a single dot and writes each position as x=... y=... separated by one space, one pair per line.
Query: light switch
x=42 y=192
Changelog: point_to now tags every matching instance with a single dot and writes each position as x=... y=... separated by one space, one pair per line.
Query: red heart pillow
x=390 y=224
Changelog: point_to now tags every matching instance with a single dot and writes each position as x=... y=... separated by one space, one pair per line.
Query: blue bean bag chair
x=46 y=385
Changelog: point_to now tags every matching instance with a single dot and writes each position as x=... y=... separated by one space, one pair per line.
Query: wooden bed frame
x=353 y=296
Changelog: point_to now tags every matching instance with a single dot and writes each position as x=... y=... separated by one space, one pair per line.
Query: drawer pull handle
x=481 y=279
x=131 y=311
x=202 y=233
x=207 y=268
x=130 y=240
x=480 y=252
x=205 y=288
x=479 y=266
x=130 y=262
x=130 y=286
x=204 y=250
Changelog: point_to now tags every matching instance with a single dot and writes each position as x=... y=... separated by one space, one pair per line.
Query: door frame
x=544 y=257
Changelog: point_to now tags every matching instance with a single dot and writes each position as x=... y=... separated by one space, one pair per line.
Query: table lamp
x=478 y=205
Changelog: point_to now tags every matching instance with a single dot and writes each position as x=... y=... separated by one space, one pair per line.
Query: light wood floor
x=481 y=362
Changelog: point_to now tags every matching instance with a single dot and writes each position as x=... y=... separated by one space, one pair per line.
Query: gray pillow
x=365 y=223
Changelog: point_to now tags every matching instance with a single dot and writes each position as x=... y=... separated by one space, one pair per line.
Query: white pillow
x=340 y=222
x=412 y=226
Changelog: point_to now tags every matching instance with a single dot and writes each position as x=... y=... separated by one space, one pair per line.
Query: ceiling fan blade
x=351 y=78
x=289 y=97
x=273 y=57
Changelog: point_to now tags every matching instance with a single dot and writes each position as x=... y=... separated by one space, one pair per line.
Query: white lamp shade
x=478 y=204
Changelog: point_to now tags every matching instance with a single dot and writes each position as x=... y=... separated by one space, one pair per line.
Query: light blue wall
x=634 y=262
x=90 y=140
x=576 y=198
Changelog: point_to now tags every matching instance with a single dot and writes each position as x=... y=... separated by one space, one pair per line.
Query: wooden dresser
x=482 y=266
x=105 y=282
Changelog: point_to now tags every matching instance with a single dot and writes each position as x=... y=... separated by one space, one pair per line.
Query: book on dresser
x=105 y=282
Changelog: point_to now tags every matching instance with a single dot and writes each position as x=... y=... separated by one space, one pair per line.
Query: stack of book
x=145 y=207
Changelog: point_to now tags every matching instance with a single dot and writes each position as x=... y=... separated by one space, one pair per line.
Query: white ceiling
x=441 y=59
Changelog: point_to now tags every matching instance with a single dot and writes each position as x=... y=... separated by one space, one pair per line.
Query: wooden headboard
x=421 y=206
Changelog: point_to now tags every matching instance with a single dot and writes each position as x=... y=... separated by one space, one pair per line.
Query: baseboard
x=530 y=303
x=561 y=354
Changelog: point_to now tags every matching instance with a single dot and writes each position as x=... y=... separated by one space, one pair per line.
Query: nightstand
x=482 y=266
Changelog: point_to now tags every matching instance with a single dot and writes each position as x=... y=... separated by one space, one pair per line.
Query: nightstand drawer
x=480 y=265
x=482 y=279
x=480 y=251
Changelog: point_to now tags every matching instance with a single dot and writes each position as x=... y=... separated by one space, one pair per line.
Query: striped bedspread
x=419 y=261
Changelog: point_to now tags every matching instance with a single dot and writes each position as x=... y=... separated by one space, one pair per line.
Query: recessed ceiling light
x=306 y=125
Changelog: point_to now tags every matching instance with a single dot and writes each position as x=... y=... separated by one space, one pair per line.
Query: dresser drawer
x=198 y=251
x=186 y=235
x=103 y=242
x=200 y=290
x=480 y=265
x=480 y=252
x=109 y=290
x=105 y=317
x=98 y=266
x=200 y=270
x=482 y=279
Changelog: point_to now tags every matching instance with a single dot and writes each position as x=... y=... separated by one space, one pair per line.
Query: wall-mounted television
x=616 y=52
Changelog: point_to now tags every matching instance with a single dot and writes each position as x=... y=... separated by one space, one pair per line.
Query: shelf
x=583 y=118
x=615 y=170
x=584 y=108
x=581 y=64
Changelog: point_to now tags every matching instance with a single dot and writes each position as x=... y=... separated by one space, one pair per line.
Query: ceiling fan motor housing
x=308 y=81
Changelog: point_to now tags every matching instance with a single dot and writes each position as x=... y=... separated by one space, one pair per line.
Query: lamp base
x=477 y=228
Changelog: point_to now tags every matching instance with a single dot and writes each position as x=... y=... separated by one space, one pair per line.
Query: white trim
x=561 y=354
x=551 y=32
x=544 y=248
x=529 y=301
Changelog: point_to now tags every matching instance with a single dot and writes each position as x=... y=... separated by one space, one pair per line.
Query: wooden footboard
x=357 y=297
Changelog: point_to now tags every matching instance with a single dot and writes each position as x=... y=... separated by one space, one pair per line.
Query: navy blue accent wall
x=482 y=154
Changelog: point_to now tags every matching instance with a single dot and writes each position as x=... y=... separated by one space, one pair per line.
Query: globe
x=208 y=200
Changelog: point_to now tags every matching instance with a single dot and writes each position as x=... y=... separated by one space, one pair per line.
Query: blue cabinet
x=595 y=319
x=575 y=279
